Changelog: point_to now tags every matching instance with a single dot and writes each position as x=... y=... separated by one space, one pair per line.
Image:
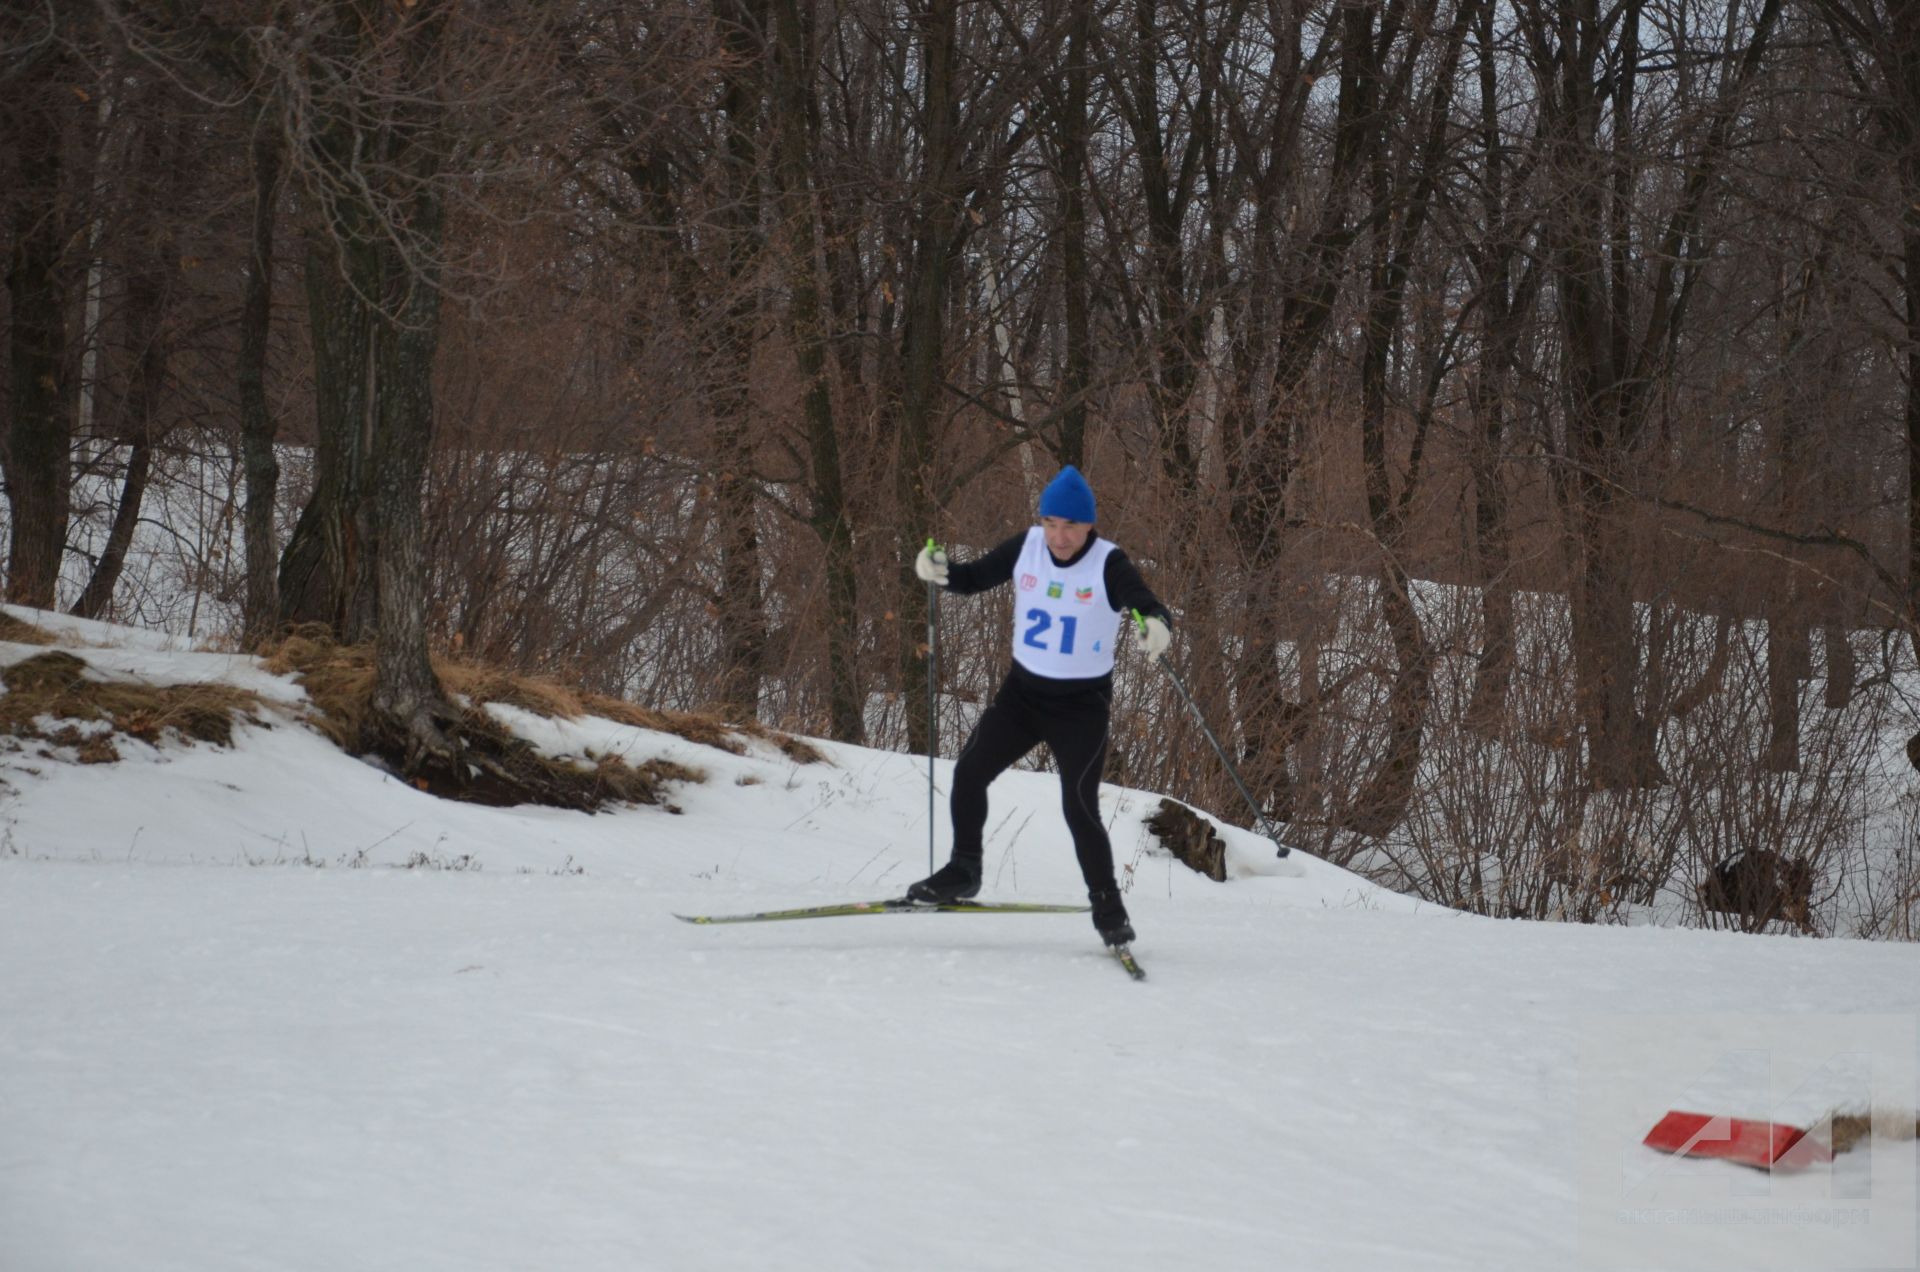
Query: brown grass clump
x=701 y=730
x=339 y=681
x=642 y=784
x=54 y=686
x=1850 y=1129
x=21 y=632
x=798 y=750
x=537 y=694
x=507 y=769
x=515 y=772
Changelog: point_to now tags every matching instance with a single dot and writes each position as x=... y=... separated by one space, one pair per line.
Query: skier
x=1073 y=589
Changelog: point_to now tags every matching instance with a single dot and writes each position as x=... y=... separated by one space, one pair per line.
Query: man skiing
x=1072 y=591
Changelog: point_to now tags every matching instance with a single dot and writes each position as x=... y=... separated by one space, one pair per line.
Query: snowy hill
x=269 y=1007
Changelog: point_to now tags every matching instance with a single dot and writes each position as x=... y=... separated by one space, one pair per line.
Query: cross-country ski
x=849 y=909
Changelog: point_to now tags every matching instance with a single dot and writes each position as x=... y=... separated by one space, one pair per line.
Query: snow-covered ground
x=269 y=1008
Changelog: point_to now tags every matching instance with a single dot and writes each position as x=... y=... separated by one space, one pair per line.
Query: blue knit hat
x=1068 y=496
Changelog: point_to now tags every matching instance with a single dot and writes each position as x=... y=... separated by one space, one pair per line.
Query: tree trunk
x=1605 y=652
x=1787 y=651
x=146 y=313
x=1175 y=326
x=1504 y=310
x=1842 y=667
x=113 y=557
x=325 y=569
x=1076 y=284
x=161 y=160
x=1493 y=661
x=1383 y=801
x=807 y=323
x=1598 y=428
x=145 y=325
x=1911 y=220
x=1311 y=285
x=38 y=442
x=743 y=620
x=1612 y=353
x=923 y=345
x=406 y=691
x=258 y=428
x=408 y=701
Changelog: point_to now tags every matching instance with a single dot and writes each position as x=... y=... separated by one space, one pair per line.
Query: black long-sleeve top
x=1126 y=591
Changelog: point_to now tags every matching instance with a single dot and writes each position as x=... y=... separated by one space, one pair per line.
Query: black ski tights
x=1074 y=727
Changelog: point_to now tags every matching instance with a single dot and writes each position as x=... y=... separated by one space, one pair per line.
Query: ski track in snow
x=235 y=1034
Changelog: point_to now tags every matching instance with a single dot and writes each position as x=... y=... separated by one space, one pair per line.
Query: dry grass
x=497 y=768
x=339 y=680
x=702 y=730
x=54 y=686
x=21 y=632
x=50 y=698
x=798 y=750
x=537 y=694
x=1850 y=1129
x=644 y=783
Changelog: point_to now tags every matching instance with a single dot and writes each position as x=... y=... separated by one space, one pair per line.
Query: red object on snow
x=1764 y=1145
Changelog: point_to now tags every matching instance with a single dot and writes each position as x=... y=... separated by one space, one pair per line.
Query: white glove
x=1154 y=638
x=931 y=565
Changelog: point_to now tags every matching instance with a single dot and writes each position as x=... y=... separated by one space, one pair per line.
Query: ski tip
x=694 y=918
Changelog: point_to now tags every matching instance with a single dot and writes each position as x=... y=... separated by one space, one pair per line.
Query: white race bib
x=1064 y=626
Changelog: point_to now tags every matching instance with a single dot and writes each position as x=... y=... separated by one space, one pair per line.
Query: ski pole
x=933 y=699
x=1259 y=818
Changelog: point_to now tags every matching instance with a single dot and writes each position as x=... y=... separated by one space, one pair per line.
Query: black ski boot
x=1110 y=916
x=955 y=881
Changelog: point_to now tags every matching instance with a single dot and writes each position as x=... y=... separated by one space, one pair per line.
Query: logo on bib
x=1055 y=589
x=1084 y=595
x=1028 y=582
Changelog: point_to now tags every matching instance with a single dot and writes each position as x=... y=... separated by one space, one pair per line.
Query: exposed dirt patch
x=1191 y=838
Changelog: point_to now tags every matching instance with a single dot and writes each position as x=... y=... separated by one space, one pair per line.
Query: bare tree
x=1879 y=44
x=384 y=109
x=1398 y=222
x=1623 y=310
x=162 y=164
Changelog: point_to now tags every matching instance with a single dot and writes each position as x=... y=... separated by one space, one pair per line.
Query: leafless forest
x=1518 y=401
